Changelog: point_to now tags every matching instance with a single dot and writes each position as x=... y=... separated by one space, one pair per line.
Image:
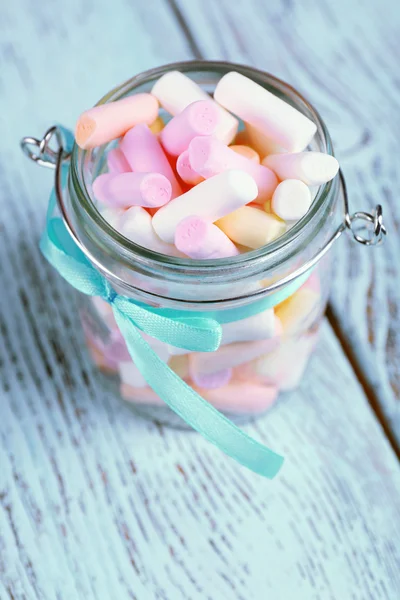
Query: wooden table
x=96 y=504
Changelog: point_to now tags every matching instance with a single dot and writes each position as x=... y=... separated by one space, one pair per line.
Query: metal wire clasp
x=41 y=153
x=353 y=222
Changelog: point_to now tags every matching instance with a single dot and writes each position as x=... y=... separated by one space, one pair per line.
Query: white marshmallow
x=230 y=355
x=258 y=327
x=136 y=225
x=112 y=215
x=175 y=91
x=291 y=200
x=262 y=326
x=273 y=117
x=286 y=364
x=312 y=168
x=130 y=374
x=210 y=199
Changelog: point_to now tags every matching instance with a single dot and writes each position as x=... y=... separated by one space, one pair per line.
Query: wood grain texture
x=344 y=56
x=97 y=504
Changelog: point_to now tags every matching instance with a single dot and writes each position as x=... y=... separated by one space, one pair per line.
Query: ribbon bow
x=193 y=333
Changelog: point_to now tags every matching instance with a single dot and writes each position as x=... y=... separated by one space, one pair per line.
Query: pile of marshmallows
x=181 y=189
x=197 y=188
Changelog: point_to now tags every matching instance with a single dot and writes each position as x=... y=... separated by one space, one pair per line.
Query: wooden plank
x=344 y=58
x=97 y=504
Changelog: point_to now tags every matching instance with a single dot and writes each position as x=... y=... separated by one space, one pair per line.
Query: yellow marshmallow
x=251 y=227
x=157 y=126
x=180 y=365
x=298 y=310
x=246 y=151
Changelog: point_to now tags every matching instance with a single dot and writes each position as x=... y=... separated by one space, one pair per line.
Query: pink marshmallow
x=124 y=190
x=209 y=156
x=200 y=239
x=197 y=119
x=229 y=356
x=117 y=162
x=107 y=122
x=144 y=154
x=185 y=171
x=212 y=381
x=244 y=398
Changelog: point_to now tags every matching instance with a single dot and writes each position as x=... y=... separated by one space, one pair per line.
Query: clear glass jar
x=257 y=371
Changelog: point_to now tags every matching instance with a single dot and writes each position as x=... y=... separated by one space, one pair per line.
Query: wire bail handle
x=42 y=154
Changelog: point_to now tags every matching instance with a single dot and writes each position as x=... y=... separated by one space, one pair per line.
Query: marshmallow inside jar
x=187 y=219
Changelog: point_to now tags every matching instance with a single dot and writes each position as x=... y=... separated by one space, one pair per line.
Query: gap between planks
x=369 y=391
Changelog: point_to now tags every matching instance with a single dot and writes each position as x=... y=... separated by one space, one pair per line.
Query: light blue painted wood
x=96 y=504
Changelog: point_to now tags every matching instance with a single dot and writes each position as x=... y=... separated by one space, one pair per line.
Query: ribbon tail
x=196 y=411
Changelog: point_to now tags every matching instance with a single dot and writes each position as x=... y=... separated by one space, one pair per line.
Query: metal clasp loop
x=45 y=156
x=352 y=222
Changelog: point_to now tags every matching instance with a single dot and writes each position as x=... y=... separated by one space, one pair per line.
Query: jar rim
x=262 y=259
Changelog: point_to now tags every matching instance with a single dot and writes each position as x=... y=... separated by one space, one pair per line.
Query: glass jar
x=245 y=376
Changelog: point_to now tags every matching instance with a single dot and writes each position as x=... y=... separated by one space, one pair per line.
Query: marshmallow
x=262 y=144
x=211 y=199
x=124 y=190
x=175 y=91
x=313 y=282
x=116 y=162
x=258 y=327
x=185 y=171
x=286 y=365
x=198 y=119
x=243 y=398
x=105 y=365
x=157 y=126
x=136 y=225
x=209 y=156
x=251 y=227
x=180 y=365
x=144 y=154
x=200 y=239
x=228 y=356
x=112 y=215
x=273 y=117
x=104 y=311
x=299 y=310
x=211 y=381
x=107 y=122
x=130 y=375
x=312 y=168
x=291 y=200
x=246 y=151
x=246 y=373
x=227 y=398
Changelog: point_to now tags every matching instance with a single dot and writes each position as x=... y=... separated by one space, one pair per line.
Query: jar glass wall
x=243 y=377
